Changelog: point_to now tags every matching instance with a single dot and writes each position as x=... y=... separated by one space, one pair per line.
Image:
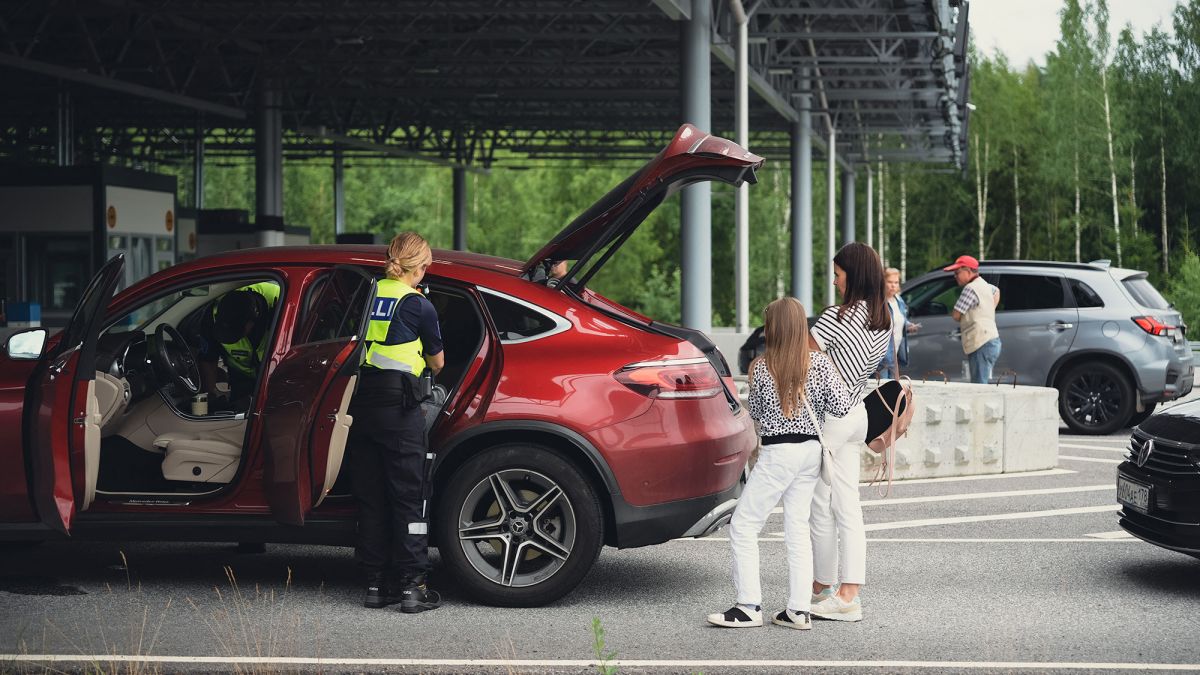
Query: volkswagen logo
x=1145 y=452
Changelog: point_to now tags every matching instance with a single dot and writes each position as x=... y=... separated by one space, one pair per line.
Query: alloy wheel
x=1093 y=399
x=517 y=527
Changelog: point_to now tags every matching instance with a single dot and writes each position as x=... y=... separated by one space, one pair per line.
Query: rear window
x=515 y=321
x=1030 y=291
x=1145 y=294
x=1084 y=295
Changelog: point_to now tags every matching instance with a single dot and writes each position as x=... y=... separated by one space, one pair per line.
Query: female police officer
x=387 y=439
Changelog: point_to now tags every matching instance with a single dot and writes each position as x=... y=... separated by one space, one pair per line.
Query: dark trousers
x=387 y=461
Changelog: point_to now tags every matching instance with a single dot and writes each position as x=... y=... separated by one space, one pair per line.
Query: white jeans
x=790 y=471
x=839 y=540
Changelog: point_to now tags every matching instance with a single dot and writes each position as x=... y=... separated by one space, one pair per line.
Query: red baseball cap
x=963 y=261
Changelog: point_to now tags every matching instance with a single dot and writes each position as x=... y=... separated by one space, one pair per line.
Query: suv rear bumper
x=647 y=525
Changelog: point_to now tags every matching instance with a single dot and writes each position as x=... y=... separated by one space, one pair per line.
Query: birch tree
x=981 y=192
x=1103 y=41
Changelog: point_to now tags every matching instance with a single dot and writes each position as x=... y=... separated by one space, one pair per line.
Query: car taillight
x=689 y=378
x=1153 y=326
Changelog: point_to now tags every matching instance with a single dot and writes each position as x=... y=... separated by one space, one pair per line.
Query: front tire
x=1095 y=398
x=519 y=526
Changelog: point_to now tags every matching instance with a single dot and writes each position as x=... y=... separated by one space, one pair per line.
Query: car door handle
x=317 y=365
x=1060 y=326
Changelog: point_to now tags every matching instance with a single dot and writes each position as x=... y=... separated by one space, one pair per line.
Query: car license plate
x=1133 y=494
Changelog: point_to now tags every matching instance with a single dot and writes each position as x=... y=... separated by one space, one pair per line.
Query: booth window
x=59 y=279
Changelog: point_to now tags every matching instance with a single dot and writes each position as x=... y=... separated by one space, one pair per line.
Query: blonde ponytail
x=407 y=252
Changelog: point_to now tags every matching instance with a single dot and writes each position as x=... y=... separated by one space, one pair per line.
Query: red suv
x=561 y=422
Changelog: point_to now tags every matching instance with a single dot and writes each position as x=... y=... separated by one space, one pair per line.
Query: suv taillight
x=1153 y=326
x=687 y=378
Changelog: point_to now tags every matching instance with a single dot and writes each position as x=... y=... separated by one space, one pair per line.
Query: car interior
x=148 y=434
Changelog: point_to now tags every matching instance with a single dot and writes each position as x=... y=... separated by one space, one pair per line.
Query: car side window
x=516 y=321
x=1084 y=295
x=932 y=298
x=333 y=308
x=1020 y=292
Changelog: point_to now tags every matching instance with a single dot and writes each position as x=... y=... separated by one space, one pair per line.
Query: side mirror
x=26 y=345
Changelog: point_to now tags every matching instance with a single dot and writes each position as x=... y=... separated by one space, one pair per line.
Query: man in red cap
x=980 y=337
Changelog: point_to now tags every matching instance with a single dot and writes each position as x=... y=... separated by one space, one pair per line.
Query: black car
x=755 y=345
x=1158 y=484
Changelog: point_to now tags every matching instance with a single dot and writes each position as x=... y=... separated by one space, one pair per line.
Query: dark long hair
x=864 y=281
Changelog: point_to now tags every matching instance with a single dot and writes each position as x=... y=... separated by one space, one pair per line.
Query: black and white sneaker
x=789 y=619
x=738 y=616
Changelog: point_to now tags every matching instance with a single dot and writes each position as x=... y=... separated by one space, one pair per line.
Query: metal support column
x=831 y=221
x=268 y=154
x=870 y=207
x=460 y=209
x=802 y=221
x=198 y=166
x=848 y=196
x=695 y=209
x=64 y=134
x=339 y=191
x=742 y=196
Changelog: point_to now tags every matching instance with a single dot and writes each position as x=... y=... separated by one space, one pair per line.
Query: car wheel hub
x=516 y=527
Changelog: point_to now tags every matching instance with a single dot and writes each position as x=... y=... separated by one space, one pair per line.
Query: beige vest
x=979 y=324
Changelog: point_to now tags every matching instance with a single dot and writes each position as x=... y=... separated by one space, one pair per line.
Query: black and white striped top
x=855 y=350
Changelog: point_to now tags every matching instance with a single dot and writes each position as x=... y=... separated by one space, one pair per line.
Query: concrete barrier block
x=995 y=429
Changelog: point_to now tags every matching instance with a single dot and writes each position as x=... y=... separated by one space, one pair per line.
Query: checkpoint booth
x=219 y=230
x=59 y=224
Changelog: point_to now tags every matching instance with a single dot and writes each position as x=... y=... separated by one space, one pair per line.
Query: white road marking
x=961 y=540
x=1077 y=446
x=979 y=495
x=1098 y=460
x=1019 y=515
x=986 y=476
x=689 y=664
x=1115 y=535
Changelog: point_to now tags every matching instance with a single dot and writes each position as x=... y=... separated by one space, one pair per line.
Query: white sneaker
x=789 y=619
x=738 y=616
x=836 y=609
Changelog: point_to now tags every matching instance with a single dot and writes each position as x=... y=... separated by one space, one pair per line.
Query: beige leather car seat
x=190 y=457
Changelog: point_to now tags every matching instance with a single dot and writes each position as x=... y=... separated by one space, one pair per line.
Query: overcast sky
x=1027 y=29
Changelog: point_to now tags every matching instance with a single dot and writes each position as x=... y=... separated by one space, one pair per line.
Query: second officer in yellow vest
x=237 y=331
x=387 y=439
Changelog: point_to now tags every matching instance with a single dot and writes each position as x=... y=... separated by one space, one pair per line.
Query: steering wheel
x=176 y=361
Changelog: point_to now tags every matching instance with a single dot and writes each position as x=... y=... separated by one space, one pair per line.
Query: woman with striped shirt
x=855 y=336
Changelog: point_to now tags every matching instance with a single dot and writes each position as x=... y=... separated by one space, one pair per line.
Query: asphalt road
x=1003 y=574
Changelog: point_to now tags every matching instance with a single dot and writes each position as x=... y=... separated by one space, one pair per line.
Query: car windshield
x=1145 y=294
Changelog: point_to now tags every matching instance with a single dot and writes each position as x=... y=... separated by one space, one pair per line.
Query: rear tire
x=519 y=526
x=1095 y=398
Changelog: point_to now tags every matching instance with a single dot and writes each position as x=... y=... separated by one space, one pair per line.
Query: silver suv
x=1103 y=336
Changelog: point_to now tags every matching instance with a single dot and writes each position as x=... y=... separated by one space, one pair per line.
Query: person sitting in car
x=238 y=332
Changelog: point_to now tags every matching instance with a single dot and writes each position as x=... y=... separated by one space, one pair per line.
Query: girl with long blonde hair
x=792 y=387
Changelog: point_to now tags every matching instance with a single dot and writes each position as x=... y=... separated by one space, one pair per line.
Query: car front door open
x=60 y=418
x=304 y=419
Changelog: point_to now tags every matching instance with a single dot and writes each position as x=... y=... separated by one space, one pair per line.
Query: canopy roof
x=472 y=81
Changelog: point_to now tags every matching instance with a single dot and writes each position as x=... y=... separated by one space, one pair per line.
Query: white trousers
x=839 y=540
x=790 y=471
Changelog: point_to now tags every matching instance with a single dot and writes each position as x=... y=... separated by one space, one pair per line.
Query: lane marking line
x=1077 y=446
x=978 y=495
x=1019 y=515
x=690 y=664
x=1115 y=535
x=966 y=540
x=1098 y=460
x=1058 y=471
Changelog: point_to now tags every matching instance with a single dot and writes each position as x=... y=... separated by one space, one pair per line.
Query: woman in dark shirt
x=387 y=439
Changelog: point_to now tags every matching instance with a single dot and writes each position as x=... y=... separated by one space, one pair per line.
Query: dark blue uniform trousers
x=387 y=461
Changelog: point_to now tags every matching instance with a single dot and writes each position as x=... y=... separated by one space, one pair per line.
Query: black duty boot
x=376 y=593
x=417 y=597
